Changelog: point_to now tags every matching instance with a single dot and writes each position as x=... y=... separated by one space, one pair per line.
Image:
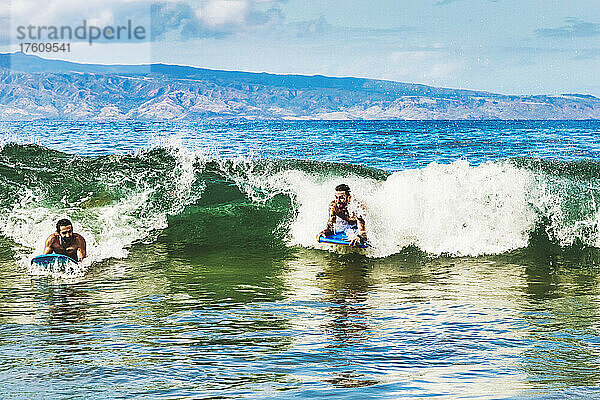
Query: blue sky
x=506 y=46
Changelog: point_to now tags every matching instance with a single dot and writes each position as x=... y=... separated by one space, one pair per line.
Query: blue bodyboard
x=339 y=238
x=49 y=260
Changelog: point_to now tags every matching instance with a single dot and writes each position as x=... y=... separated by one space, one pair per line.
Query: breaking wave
x=172 y=194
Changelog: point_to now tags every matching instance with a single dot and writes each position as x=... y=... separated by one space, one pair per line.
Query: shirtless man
x=344 y=215
x=65 y=242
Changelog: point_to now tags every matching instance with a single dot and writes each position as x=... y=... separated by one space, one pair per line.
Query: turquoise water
x=204 y=279
x=390 y=146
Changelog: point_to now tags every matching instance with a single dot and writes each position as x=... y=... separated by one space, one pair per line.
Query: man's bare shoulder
x=52 y=238
x=78 y=237
x=332 y=205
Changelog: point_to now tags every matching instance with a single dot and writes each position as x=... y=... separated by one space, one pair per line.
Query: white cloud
x=220 y=12
x=425 y=65
x=215 y=18
x=73 y=12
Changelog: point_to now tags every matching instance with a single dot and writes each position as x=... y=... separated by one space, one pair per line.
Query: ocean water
x=204 y=279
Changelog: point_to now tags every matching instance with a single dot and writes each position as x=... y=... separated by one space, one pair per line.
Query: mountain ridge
x=32 y=87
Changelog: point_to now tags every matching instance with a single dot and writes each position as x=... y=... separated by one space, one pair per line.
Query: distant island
x=32 y=88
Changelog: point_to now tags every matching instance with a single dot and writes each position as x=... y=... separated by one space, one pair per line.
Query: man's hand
x=355 y=242
x=358 y=240
x=333 y=208
x=320 y=235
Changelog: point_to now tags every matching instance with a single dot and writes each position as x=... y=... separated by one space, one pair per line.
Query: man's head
x=342 y=194
x=64 y=228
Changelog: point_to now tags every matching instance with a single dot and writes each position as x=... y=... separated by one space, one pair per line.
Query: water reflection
x=335 y=326
x=175 y=322
x=404 y=325
x=561 y=311
x=65 y=304
x=345 y=282
x=161 y=318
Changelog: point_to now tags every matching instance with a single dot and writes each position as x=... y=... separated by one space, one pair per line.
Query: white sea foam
x=109 y=229
x=452 y=209
x=455 y=209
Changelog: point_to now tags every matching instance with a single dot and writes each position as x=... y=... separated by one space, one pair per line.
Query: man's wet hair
x=62 y=222
x=342 y=187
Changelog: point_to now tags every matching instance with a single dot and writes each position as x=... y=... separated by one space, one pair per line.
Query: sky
x=503 y=46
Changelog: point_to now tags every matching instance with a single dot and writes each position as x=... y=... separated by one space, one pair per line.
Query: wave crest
x=443 y=209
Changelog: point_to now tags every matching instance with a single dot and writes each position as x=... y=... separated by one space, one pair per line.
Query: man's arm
x=48 y=245
x=361 y=235
x=362 y=231
x=330 y=221
x=81 y=251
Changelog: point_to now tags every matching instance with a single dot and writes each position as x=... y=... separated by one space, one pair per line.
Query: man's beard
x=67 y=241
